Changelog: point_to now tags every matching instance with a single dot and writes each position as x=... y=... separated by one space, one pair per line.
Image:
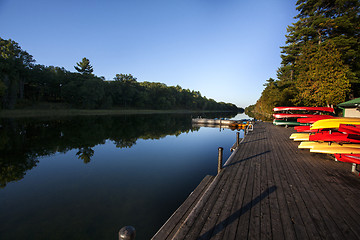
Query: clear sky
x=226 y=49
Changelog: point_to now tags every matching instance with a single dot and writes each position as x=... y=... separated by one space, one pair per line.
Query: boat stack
x=321 y=132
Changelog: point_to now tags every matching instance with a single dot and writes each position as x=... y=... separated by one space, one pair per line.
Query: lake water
x=86 y=177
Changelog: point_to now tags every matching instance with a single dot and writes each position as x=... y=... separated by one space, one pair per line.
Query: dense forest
x=24 y=83
x=320 y=61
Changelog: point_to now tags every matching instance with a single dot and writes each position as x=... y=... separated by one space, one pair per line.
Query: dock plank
x=331 y=186
x=313 y=196
x=169 y=229
x=232 y=220
x=222 y=222
x=270 y=189
x=302 y=217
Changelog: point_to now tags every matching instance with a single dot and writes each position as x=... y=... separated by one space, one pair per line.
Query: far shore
x=21 y=113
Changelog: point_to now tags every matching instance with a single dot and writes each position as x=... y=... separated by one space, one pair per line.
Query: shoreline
x=31 y=113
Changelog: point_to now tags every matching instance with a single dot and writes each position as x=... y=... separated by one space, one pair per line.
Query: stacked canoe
x=334 y=135
x=321 y=132
x=288 y=116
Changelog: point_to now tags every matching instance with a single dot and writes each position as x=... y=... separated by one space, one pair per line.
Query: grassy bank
x=19 y=113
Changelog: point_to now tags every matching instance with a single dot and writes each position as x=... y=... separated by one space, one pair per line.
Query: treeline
x=24 y=83
x=320 y=61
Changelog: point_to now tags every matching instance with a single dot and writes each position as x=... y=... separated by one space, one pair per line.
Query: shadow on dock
x=273 y=190
x=254 y=140
x=236 y=215
x=246 y=159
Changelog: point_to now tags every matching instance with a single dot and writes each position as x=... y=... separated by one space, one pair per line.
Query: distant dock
x=212 y=121
x=220 y=123
x=270 y=189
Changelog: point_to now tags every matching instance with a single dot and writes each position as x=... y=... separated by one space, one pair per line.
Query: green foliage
x=2 y=89
x=323 y=79
x=45 y=83
x=276 y=93
x=320 y=21
x=125 y=78
x=84 y=66
x=15 y=65
x=249 y=110
x=21 y=79
x=320 y=61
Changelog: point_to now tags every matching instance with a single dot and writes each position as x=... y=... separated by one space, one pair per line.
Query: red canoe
x=322 y=109
x=349 y=128
x=313 y=119
x=326 y=136
x=352 y=158
x=298 y=115
x=304 y=129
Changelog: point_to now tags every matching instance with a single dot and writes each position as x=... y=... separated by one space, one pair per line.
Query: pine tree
x=319 y=21
x=84 y=66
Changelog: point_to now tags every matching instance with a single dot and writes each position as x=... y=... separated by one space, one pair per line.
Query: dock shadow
x=246 y=159
x=258 y=132
x=236 y=215
x=253 y=140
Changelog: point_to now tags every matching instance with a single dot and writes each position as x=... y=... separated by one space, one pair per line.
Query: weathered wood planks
x=270 y=189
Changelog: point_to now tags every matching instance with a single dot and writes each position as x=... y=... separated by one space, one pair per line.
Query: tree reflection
x=22 y=141
x=14 y=169
x=125 y=143
x=85 y=154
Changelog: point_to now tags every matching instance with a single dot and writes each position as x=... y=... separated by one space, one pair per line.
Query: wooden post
x=127 y=233
x=237 y=138
x=355 y=170
x=220 y=156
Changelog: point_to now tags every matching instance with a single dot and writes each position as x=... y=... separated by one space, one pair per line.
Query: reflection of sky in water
x=240 y=116
x=140 y=186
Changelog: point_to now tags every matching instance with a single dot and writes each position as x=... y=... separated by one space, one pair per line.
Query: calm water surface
x=86 y=177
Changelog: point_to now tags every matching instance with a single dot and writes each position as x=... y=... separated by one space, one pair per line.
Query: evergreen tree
x=319 y=21
x=84 y=67
x=323 y=79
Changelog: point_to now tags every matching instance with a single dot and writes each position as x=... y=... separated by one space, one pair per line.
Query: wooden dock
x=270 y=189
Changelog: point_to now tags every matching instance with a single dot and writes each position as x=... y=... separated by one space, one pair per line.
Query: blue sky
x=226 y=49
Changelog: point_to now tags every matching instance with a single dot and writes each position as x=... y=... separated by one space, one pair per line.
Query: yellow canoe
x=307 y=144
x=333 y=123
x=335 y=149
x=311 y=145
x=300 y=136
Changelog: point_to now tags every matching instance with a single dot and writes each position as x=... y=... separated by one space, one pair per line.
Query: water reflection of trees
x=22 y=141
x=85 y=154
